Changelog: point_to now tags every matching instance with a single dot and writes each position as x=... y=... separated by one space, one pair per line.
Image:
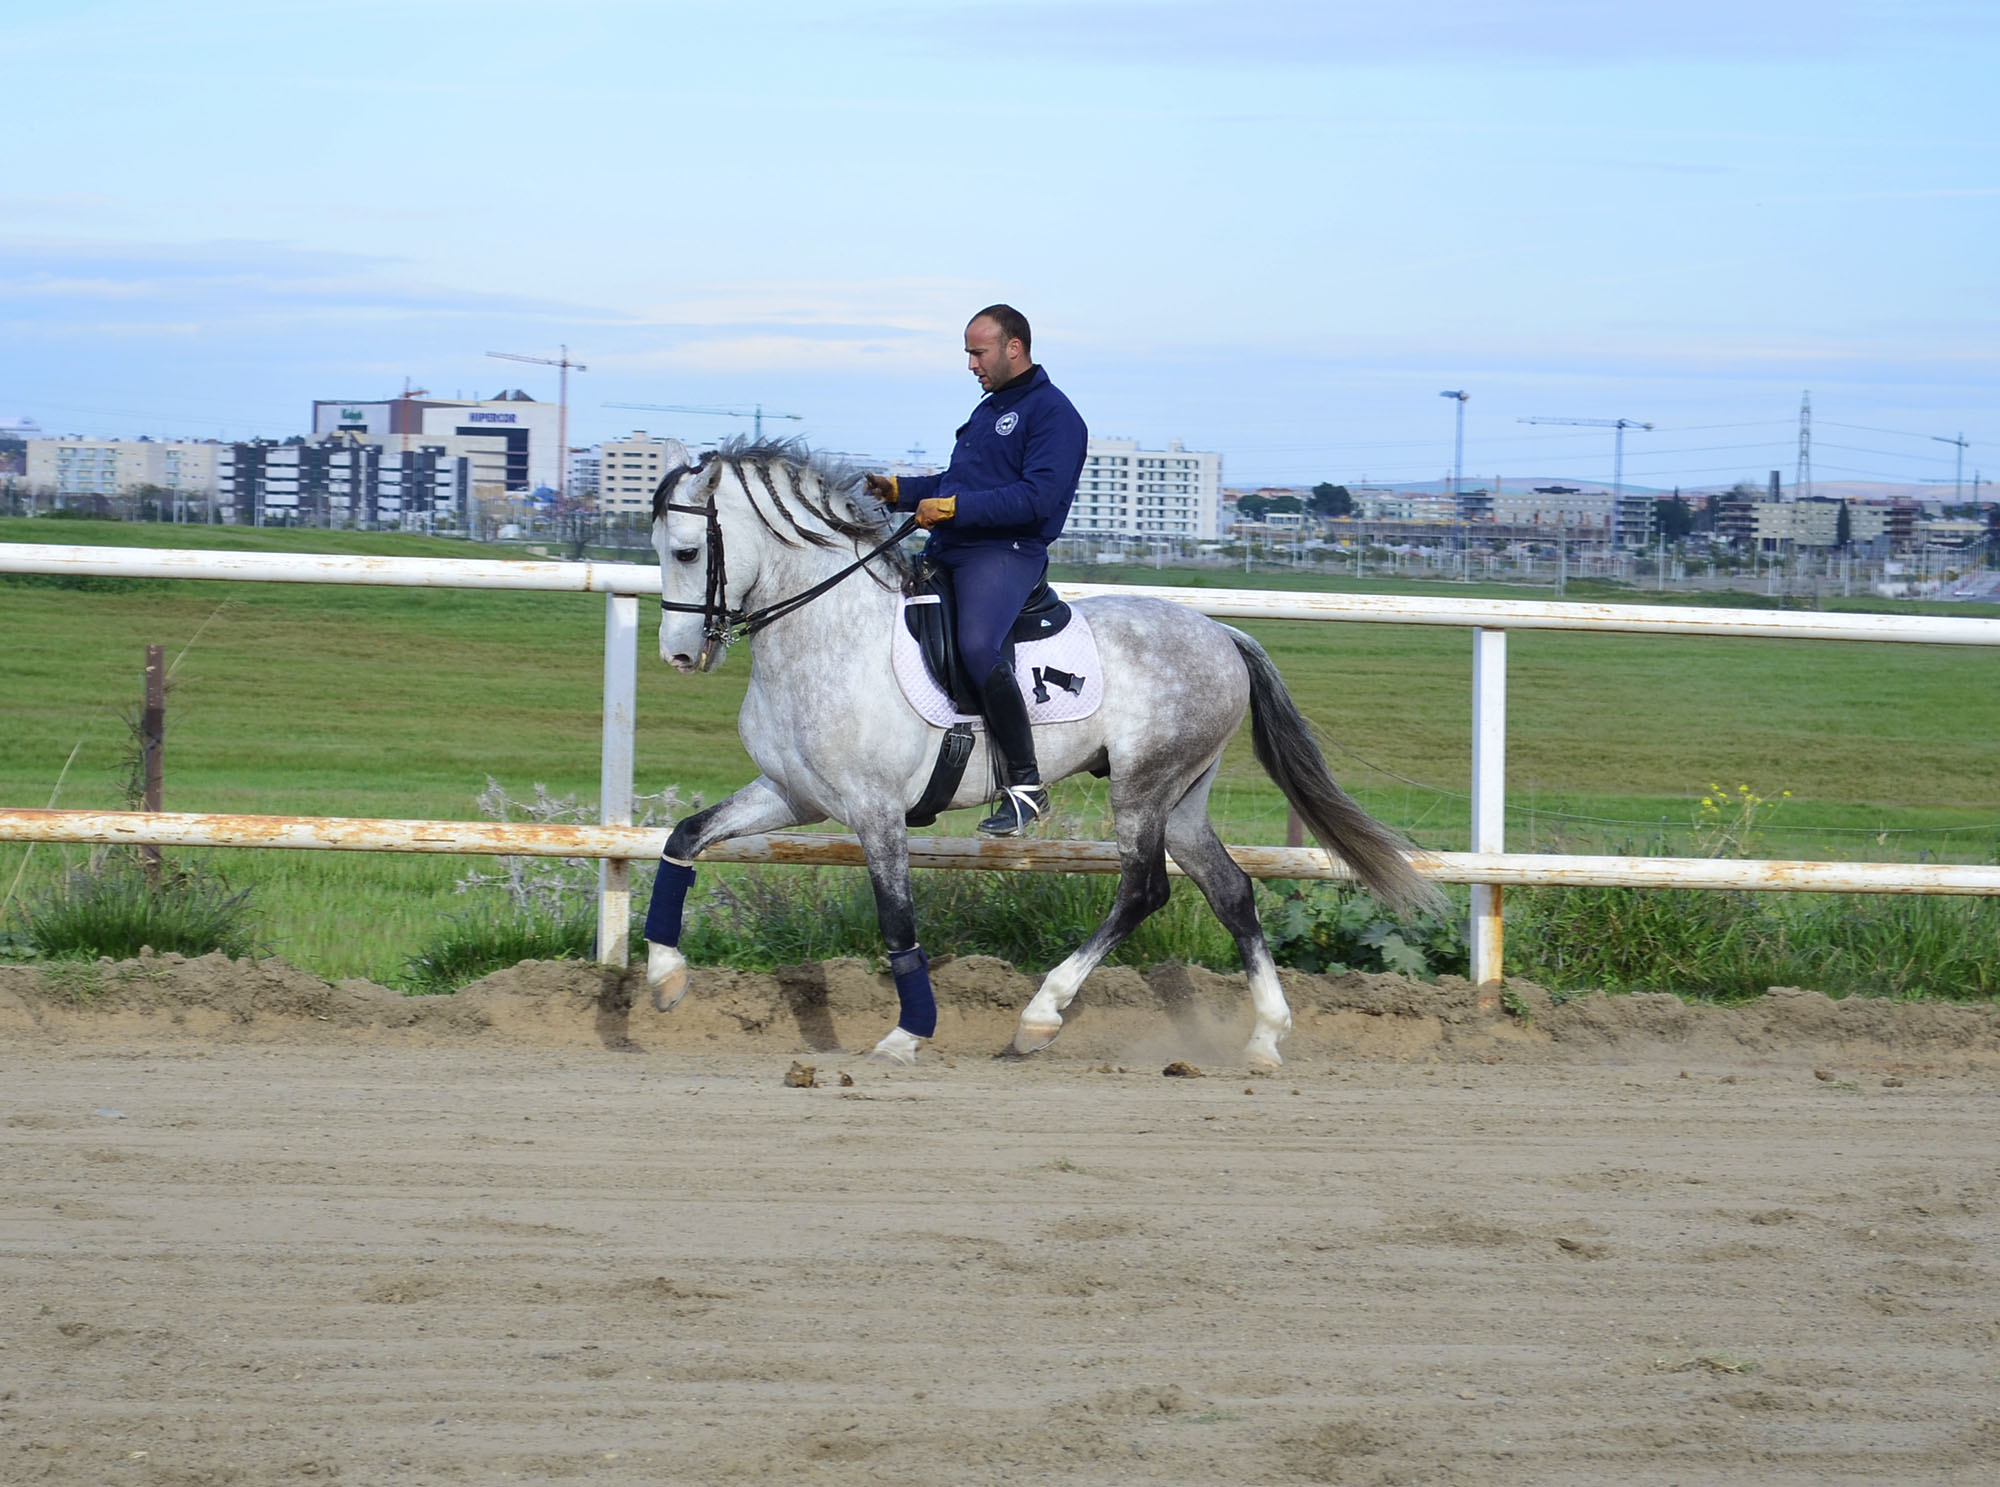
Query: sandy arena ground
x=255 y=1229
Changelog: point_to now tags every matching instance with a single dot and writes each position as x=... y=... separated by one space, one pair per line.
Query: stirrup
x=1020 y=807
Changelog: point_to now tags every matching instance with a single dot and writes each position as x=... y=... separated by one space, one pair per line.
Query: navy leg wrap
x=670 y=891
x=912 y=970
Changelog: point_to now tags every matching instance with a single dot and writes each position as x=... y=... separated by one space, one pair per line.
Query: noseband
x=719 y=623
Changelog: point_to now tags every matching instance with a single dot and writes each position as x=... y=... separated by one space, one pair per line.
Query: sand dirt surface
x=259 y=1229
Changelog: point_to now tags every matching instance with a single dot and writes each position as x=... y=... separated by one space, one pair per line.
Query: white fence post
x=614 y=787
x=1489 y=795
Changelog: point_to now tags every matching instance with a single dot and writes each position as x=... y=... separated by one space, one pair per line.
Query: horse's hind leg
x=885 y=842
x=1199 y=853
x=1142 y=888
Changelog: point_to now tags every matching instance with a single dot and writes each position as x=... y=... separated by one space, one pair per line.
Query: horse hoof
x=1033 y=1037
x=1263 y=1058
x=666 y=976
x=898 y=1049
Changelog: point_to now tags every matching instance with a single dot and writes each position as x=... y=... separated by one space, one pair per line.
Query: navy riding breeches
x=992 y=582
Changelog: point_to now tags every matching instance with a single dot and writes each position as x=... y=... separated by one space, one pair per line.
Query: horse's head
x=746 y=514
x=695 y=588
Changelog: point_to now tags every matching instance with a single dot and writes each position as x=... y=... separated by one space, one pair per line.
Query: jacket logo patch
x=1006 y=423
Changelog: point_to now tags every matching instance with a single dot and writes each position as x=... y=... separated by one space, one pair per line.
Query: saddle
x=931 y=616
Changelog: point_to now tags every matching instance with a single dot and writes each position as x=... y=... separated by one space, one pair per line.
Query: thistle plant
x=1725 y=822
x=553 y=888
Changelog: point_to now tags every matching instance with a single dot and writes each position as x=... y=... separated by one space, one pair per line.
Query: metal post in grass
x=152 y=750
x=1489 y=799
x=614 y=786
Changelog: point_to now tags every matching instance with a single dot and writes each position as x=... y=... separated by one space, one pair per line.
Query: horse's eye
x=686 y=554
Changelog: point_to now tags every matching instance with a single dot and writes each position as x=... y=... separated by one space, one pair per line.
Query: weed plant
x=111 y=907
x=491 y=938
x=1335 y=929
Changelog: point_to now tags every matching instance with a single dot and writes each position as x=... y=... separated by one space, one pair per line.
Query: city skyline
x=1271 y=229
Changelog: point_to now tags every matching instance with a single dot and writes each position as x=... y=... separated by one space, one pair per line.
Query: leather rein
x=720 y=624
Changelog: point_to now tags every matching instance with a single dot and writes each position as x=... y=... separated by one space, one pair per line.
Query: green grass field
x=398 y=702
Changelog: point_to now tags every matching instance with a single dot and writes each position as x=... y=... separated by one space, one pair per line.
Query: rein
x=720 y=625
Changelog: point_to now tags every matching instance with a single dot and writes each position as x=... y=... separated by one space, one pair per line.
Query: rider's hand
x=883 y=489
x=935 y=509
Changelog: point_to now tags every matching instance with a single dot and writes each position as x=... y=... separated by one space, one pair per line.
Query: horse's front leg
x=758 y=806
x=885 y=841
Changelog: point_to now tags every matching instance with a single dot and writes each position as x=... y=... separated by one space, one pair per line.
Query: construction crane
x=1958 y=479
x=562 y=410
x=1458 y=441
x=406 y=397
x=757 y=414
x=1618 y=445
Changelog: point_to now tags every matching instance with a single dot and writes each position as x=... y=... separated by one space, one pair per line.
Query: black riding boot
x=1023 y=800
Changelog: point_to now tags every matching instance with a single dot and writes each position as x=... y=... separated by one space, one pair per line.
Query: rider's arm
x=1048 y=477
x=910 y=489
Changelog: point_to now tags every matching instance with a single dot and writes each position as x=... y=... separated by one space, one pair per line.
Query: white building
x=1779 y=526
x=115 y=467
x=517 y=437
x=586 y=469
x=630 y=469
x=1126 y=491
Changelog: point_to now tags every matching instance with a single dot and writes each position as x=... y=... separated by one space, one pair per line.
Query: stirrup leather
x=1020 y=807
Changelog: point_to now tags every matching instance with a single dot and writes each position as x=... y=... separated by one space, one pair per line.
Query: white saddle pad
x=1072 y=650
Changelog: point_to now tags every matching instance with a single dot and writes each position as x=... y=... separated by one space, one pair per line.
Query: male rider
x=991 y=516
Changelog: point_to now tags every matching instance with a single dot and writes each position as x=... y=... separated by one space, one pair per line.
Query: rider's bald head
x=996 y=345
x=1012 y=325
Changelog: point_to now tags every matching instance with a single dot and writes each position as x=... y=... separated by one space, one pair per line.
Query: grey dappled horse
x=745 y=532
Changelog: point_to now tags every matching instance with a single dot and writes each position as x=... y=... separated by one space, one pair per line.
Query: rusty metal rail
x=825 y=849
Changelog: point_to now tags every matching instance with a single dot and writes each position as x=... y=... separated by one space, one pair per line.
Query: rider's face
x=993 y=359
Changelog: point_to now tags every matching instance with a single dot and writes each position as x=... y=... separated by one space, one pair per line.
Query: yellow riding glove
x=935 y=509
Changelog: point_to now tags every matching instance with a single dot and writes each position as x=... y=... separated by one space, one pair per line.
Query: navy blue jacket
x=1014 y=468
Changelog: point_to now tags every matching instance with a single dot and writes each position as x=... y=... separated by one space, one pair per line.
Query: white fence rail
x=1488 y=867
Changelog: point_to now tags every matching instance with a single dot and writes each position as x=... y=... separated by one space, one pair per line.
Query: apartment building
x=630 y=469
x=1127 y=491
x=1779 y=526
x=344 y=480
x=115 y=467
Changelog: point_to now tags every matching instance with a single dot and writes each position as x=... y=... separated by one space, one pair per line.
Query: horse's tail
x=1291 y=757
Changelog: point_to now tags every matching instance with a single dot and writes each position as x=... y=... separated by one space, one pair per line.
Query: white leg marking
x=666 y=976
x=898 y=1047
x=1274 y=1017
x=1041 y=1019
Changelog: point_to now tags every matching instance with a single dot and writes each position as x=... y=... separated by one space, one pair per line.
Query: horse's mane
x=804 y=506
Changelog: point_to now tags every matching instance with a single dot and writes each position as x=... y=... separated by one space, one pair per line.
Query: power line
x=1868 y=428
x=1894 y=454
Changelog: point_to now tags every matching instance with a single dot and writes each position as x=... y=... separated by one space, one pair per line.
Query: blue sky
x=1271 y=228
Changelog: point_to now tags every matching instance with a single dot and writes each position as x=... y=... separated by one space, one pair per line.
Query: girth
x=932 y=618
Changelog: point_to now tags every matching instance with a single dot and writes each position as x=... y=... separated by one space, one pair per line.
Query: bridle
x=720 y=624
